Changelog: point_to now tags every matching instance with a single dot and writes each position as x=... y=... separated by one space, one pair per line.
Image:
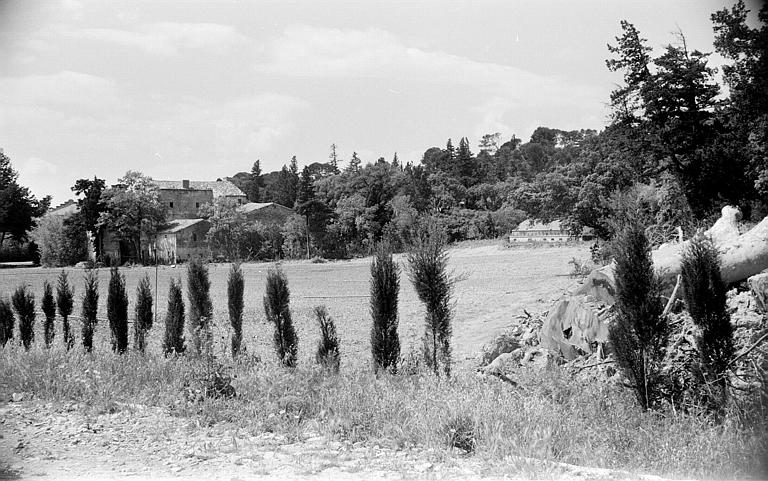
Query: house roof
x=254 y=206
x=220 y=188
x=530 y=224
x=178 y=225
x=66 y=209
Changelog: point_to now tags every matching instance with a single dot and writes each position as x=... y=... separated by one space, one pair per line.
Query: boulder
x=758 y=286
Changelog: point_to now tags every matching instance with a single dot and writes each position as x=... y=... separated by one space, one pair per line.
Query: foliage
x=18 y=207
x=277 y=310
x=23 y=300
x=460 y=433
x=639 y=332
x=200 y=306
x=144 y=315
x=173 y=341
x=90 y=307
x=328 y=354
x=60 y=243
x=6 y=322
x=89 y=209
x=428 y=271
x=235 y=287
x=65 y=302
x=117 y=311
x=231 y=235
x=705 y=297
x=48 y=305
x=385 y=290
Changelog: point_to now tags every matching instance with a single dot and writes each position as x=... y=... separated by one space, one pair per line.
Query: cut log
x=574 y=320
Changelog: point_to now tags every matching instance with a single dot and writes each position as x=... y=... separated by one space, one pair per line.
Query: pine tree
x=173 y=341
x=48 y=306
x=117 y=311
x=235 y=287
x=90 y=307
x=143 y=310
x=254 y=183
x=200 y=307
x=333 y=159
x=639 y=333
x=328 y=355
x=24 y=303
x=277 y=310
x=354 y=164
x=385 y=289
x=65 y=301
x=428 y=270
x=6 y=322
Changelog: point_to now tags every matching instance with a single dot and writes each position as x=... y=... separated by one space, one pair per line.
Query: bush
x=90 y=307
x=117 y=311
x=705 y=297
x=6 y=322
x=174 y=320
x=428 y=269
x=235 y=287
x=60 y=243
x=200 y=307
x=144 y=317
x=639 y=333
x=328 y=355
x=49 y=310
x=459 y=433
x=385 y=289
x=24 y=304
x=65 y=301
x=277 y=310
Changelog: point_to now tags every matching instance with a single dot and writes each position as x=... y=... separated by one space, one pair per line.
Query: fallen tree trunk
x=579 y=319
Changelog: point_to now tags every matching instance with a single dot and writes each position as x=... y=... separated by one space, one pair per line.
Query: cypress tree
x=235 y=286
x=143 y=313
x=200 y=307
x=6 y=322
x=49 y=310
x=277 y=310
x=428 y=270
x=328 y=354
x=90 y=307
x=385 y=289
x=174 y=320
x=117 y=311
x=65 y=302
x=639 y=333
x=705 y=297
x=24 y=303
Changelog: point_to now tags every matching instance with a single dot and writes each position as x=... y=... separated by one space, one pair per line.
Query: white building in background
x=534 y=231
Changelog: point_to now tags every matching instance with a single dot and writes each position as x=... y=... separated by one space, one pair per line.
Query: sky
x=200 y=89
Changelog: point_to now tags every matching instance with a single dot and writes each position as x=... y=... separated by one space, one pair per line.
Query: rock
x=17 y=397
x=758 y=286
x=504 y=361
x=502 y=344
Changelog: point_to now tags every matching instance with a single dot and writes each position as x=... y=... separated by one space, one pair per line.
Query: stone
x=758 y=286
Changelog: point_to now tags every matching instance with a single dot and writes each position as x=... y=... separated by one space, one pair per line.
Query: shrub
x=428 y=269
x=60 y=243
x=49 y=310
x=200 y=307
x=65 y=301
x=174 y=320
x=24 y=304
x=6 y=322
x=639 y=333
x=328 y=355
x=117 y=311
x=705 y=297
x=459 y=433
x=144 y=318
x=90 y=307
x=235 y=286
x=385 y=288
x=277 y=310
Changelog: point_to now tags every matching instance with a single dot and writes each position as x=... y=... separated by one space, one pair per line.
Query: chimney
x=185 y=184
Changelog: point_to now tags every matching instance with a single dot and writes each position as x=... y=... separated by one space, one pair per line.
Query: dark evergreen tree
x=6 y=322
x=328 y=354
x=48 y=306
x=277 y=310
x=428 y=270
x=89 y=209
x=90 y=307
x=466 y=169
x=65 y=302
x=144 y=314
x=23 y=300
x=253 y=186
x=385 y=290
x=639 y=333
x=200 y=307
x=235 y=287
x=173 y=342
x=354 y=164
x=333 y=160
x=117 y=311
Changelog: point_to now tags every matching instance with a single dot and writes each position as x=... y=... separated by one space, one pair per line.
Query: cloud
x=492 y=113
x=166 y=38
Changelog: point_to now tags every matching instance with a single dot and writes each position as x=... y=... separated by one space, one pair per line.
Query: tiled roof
x=220 y=188
x=178 y=225
x=67 y=208
x=529 y=224
x=253 y=206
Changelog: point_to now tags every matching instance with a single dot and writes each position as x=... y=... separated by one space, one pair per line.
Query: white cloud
x=492 y=116
x=35 y=166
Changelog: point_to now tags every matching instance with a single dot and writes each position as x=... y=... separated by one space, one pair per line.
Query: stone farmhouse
x=534 y=231
x=266 y=212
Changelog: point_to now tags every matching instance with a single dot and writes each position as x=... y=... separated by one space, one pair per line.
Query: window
x=170 y=204
x=194 y=237
x=197 y=205
x=239 y=201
